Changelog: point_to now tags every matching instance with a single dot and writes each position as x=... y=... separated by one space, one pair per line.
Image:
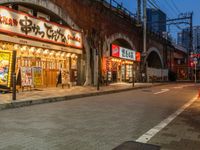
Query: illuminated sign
x=138 y=56
x=5 y=67
x=21 y=24
x=124 y=53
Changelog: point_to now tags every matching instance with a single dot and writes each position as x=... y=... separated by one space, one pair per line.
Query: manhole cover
x=131 y=145
x=146 y=90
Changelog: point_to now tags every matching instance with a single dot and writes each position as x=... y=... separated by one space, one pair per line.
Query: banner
x=37 y=76
x=26 y=76
x=25 y=25
x=122 y=52
x=5 y=67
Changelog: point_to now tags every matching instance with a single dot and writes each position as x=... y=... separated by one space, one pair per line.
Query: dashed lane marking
x=162 y=91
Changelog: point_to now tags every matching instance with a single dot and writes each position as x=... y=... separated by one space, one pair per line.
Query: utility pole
x=190 y=43
x=144 y=26
x=145 y=64
x=139 y=11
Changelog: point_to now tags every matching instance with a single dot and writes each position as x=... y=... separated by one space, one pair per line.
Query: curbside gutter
x=23 y=103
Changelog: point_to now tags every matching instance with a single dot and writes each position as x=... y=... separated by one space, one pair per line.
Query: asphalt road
x=93 y=123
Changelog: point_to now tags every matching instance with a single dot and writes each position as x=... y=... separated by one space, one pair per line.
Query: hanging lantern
x=16 y=46
x=39 y=51
x=32 y=50
x=58 y=54
x=68 y=55
x=45 y=52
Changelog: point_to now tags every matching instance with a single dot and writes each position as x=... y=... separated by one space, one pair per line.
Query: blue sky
x=172 y=8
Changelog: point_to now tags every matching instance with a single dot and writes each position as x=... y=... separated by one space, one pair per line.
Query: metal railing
x=119 y=9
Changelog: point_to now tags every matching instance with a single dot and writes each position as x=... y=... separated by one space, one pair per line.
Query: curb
x=17 y=104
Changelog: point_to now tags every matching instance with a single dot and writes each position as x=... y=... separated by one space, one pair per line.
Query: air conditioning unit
x=25 y=10
x=43 y=16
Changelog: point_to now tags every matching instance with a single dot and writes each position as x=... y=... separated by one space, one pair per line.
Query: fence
x=157 y=74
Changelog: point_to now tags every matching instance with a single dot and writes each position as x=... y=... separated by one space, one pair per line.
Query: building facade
x=156 y=20
x=183 y=38
x=39 y=47
x=52 y=42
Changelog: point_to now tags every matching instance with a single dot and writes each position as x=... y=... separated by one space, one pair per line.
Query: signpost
x=195 y=61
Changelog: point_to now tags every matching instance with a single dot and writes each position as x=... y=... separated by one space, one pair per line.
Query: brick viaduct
x=101 y=25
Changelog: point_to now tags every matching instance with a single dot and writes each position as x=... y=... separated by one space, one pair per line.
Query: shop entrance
x=121 y=70
x=37 y=67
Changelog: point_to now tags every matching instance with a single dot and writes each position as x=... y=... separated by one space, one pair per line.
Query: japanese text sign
x=124 y=53
x=17 y=23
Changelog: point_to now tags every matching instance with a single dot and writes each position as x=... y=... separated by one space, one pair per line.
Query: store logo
x=115 y=50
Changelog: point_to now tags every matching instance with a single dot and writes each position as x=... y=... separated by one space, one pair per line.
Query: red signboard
x=124 y=53
x=115 y=50
x=138 y=56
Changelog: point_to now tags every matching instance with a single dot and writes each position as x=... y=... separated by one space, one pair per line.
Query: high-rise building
x=156 y=20
x=183 y=38
x=196 y=39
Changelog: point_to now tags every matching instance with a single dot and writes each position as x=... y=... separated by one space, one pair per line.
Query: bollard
x=14 y=86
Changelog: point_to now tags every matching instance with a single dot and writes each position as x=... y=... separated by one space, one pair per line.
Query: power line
x=172 y=8
x=174 y=4
x=157 y=7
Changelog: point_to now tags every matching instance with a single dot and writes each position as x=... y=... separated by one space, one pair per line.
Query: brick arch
x=53 y=8
x=154 y=49
x=108 y=41
x=48 y=5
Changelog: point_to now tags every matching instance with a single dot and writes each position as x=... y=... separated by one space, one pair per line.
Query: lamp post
x=133 y=75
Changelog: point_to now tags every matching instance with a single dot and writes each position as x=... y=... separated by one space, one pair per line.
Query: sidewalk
x=45 y=95
x=183 y=133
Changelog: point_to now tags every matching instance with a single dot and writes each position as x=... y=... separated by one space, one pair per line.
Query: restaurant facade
x=41 y=52
x=120 y=65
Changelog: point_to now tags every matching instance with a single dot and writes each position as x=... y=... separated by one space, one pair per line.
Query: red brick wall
x=89 y=14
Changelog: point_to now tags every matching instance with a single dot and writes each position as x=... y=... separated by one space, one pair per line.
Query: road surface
x=91 y=123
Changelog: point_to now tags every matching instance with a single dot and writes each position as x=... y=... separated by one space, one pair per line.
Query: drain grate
x=132 y=145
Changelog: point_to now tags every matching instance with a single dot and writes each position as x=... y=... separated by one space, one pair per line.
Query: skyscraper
x=156 y=20
x=184 y=38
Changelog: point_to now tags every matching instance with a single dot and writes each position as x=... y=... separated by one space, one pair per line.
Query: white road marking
x=152 y=132
x=162 y=91
x=178 y=87
x=182 y=86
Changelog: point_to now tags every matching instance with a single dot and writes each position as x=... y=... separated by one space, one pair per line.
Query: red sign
x=125 y=53
x=115 y=50
x=138 y=56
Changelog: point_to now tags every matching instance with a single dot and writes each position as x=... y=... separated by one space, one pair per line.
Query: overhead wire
x=157 y=7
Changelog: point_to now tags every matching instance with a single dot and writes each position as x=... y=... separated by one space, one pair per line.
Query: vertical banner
x=26 y=76
x=37 y=76
x=5 y=67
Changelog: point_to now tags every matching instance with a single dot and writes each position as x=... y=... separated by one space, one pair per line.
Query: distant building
x=156 y=20
x=196 y=38
x=183 y=38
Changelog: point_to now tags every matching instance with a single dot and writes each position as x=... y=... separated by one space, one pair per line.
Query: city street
x=92 y=123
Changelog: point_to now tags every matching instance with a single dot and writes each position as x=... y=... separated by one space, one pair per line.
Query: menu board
x=65 y=76
x=73 y=63
x=5 y=60
x=26 y=76
x=37 y=76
